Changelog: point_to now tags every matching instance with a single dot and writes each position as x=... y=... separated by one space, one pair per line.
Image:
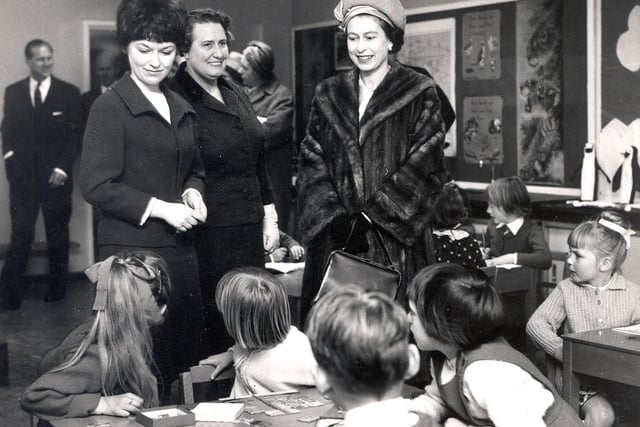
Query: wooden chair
x=196 y=385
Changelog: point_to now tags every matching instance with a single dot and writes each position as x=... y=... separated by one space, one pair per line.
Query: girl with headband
x=595 y=296
x=104 y=366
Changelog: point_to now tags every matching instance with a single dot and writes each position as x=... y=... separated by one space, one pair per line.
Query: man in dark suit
x=41 y=133
x=107 y=68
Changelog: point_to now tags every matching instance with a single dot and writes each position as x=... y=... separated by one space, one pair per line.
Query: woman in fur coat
x=373 y=152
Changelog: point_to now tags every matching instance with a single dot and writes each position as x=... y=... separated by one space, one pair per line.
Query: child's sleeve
x=73 y=392
x=540 y=255
x=430 y=404
x=508 y=394
x=546 y=321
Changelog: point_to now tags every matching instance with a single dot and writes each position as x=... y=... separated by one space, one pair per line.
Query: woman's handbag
x=343 y=268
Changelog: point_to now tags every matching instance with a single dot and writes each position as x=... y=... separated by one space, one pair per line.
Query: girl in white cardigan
x=269 y=354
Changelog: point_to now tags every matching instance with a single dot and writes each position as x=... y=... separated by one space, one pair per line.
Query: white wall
x=60 y=23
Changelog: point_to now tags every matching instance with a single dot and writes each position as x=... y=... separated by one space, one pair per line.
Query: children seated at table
x=595 y=296
x=478 y=378
x=269 y=354
x=104 y=365
x=512 y=237
x=361 y=343
x=289 y=251
x=452 y=243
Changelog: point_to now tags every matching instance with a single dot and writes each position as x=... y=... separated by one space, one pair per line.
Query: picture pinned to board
x=539 y=80
x=430 y=45
x=481 y=45
x=482 y=134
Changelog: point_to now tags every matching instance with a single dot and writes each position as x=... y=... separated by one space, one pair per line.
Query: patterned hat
x=390 y=11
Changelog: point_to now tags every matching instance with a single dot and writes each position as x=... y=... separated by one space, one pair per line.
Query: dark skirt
x=221 y=249
x=179 y=342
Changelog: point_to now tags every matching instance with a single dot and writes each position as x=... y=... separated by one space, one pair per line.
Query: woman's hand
x=270 y=231
x=192 y=198
x=178 y=215
x=220 y=361
x=120 y=405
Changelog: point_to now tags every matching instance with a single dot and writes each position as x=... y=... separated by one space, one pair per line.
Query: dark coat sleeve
x=102 y=163
x=73 y=392
x=539 y=256
x=402 y=204
x=70 y=98
x=318 y=203
x=278 y=126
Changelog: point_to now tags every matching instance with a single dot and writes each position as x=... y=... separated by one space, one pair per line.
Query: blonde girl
x=595 y=296
x=104 y=366
x=269 y=353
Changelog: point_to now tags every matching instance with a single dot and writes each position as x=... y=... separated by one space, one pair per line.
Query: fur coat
x=390 y=165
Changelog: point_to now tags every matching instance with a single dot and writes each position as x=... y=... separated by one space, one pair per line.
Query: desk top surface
x=607 y=338
x=326 y=408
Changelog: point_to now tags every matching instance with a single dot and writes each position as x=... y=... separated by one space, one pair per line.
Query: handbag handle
x=375 y=232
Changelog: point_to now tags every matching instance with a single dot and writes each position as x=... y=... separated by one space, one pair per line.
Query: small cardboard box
x=166 y=416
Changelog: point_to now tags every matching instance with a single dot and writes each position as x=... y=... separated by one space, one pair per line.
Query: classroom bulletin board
x=515 y=72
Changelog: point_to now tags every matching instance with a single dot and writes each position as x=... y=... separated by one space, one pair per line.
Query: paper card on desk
x=632 y=330
x=217 y=411
x=284 y=267
x=508 y=266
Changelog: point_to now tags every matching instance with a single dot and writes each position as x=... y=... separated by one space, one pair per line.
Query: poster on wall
x=431 y=45
x=539 y=84
x=482 y=133
x=481 y=45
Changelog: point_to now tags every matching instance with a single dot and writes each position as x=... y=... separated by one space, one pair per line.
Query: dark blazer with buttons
x=130 y=154
x=40 y=146
x=231 y=142
x=529 y=243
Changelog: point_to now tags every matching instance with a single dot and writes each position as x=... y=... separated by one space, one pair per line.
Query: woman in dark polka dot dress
x=453 y=243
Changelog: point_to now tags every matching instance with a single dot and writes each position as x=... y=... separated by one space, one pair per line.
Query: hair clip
x=626 y=233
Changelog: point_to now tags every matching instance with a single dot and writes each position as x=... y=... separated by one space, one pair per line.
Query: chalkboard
x=496 y=90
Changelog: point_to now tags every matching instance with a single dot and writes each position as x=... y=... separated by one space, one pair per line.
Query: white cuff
x=147 y=212
x=270 y=212
x=8 y=154
x=61 y=172
x=191 y=190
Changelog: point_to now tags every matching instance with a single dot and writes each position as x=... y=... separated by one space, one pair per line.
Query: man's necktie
x=37 y=99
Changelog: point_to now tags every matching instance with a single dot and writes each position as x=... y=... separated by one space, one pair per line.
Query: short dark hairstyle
x=394 y=34
x=449 y=209
x=360 y=339
x=161 y=21
x=259 y=55
x=32 y=44
x=203 y=16
x=511 y=195
x=457 y=305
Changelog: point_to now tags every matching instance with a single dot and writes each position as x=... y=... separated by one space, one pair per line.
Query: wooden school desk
x=328 y=409
x=518 y=279
x=605 y=354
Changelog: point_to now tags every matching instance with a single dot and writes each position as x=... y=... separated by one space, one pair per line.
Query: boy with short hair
x=361 y=343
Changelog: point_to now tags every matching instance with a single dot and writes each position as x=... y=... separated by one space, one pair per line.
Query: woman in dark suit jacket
x=141 y=169
x=242 y=221
x=273 y=103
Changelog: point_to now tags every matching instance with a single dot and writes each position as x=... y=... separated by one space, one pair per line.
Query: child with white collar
x=511 y=236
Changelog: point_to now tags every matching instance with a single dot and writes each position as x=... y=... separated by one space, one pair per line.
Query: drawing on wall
x=482 y=134
x=481 y=45
x=539 y=80
x=431 y=45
